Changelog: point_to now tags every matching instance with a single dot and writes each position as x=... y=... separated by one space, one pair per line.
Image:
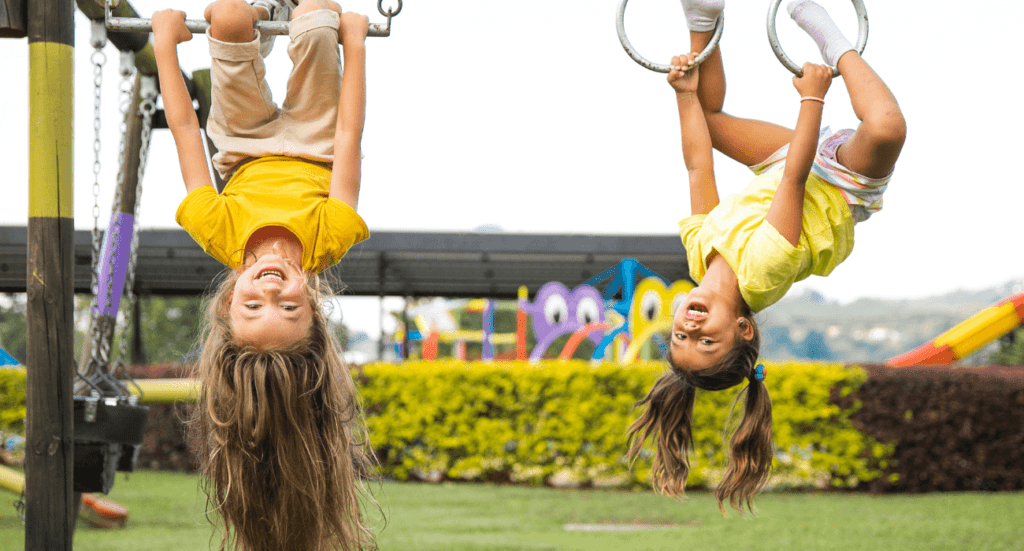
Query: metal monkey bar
x=200 y=26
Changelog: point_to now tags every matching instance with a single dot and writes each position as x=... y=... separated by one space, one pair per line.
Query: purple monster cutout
x=557 y=311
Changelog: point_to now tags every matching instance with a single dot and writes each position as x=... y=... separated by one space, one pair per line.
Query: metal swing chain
x=19 y=506
x=99 y=59
x=147 y=108
x=100 y=357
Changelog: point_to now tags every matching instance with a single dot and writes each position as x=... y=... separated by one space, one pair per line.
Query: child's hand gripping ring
x=620 y=27
x=773 y=38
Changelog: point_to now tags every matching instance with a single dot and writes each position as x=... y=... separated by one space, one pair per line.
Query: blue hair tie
x=759 y=372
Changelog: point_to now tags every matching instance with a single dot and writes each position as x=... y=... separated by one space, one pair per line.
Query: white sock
x=813 y=19
x=701 y=15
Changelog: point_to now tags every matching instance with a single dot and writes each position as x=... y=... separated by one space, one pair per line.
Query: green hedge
x=12 y=400
x=535 y=423
x=519 y=422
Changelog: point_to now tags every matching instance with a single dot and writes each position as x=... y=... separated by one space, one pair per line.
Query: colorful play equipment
x=973 y=333
x=435 y=324
x=631 y=307
x=557 y=311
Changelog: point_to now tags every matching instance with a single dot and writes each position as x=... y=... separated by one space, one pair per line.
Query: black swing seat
x=108 y=434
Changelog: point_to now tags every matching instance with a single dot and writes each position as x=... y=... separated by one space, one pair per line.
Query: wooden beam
x=13 y=23
x=140 y=43
x=134 y=42
x=49 y=423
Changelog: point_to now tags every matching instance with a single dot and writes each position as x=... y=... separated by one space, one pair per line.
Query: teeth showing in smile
x=272 y=273
x=695 y=312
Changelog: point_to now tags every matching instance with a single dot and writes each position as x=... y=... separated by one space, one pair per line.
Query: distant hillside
x=809 y=326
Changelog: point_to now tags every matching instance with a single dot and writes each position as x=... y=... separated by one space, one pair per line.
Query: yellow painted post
x=49 y=452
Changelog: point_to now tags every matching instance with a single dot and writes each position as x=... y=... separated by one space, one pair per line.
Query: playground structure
x=50 y=217
x=92 y=406
x=634 y=306
x=970 y=335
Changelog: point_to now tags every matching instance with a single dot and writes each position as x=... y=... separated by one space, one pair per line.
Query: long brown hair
x=667 y=418
x=283 y=444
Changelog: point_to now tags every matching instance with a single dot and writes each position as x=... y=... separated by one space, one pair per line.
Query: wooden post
x=49 y=425
x=13 y=23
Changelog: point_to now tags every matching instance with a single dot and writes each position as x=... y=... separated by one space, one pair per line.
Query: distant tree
x=1011 y=349
x=170 y=327
x=814 y=347
x=774 y=341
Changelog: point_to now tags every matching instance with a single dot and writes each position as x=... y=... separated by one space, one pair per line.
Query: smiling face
x=270 y=306
x=705 y=328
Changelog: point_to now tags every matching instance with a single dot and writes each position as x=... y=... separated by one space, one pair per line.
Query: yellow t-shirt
x=273 y=191
x=767 y=265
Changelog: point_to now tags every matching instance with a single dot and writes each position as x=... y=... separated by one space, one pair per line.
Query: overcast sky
x=527 y=114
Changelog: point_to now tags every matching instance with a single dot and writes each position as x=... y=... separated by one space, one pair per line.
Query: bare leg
x=232 y=20
x=747 y=141
x=873 y=149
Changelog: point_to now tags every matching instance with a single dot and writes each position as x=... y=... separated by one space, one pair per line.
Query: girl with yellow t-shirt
x=283 y=442
x=796 y=218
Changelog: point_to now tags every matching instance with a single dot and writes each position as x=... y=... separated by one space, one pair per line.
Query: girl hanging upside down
x=279 y=420
x=795 y=219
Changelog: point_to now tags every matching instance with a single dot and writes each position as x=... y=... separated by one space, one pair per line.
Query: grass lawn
x=167 y=513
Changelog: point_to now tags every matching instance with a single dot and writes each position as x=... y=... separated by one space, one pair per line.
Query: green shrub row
x=538 y=423
x=12 y=400
x=559 y=422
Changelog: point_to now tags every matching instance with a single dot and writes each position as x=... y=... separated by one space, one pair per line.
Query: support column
x=49 y=425
x=13 y=23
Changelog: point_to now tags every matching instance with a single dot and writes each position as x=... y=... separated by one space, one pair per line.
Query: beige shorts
x=245 y=122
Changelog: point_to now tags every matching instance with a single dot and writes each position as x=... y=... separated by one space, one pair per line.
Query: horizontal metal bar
x=200 y=26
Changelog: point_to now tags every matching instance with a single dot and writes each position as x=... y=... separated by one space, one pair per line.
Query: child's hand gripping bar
x=200 y=26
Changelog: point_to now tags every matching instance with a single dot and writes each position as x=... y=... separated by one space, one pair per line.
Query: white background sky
x=527 y=114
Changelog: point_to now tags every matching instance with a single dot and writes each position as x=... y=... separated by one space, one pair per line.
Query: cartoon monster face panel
x=653 y=300
x=556 y=311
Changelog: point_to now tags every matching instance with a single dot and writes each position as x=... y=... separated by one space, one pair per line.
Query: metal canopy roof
x=470 y=264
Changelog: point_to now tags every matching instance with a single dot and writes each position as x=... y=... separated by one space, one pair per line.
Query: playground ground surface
x=167 y=514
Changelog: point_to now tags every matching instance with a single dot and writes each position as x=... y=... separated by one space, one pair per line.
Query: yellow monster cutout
x=652 y=309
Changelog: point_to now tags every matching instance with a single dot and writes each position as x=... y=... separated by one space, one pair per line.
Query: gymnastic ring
x=773 y=38
x=620 y=27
